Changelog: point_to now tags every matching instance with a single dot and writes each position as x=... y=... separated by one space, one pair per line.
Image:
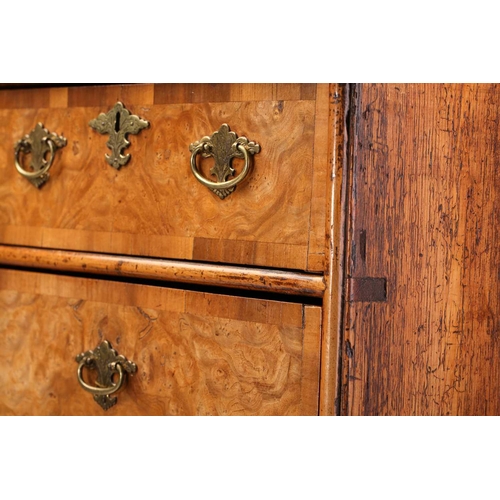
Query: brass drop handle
x=219 y=185
x=107 y=362
x=223 y=145
x=38 y=143
x=45 y=165
x=100 y=391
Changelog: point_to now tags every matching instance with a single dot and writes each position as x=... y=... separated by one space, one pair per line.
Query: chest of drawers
x=354 y=270
x=226 y=304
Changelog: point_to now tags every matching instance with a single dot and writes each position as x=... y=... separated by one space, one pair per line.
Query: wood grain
x=424 y=213
x=154 y=206
x=253 y=279
x=197 y=354
x=107 y=95
x=58 y=97
x=320 y=185
x=334 y=241
x=173 y=93
x=24 y=98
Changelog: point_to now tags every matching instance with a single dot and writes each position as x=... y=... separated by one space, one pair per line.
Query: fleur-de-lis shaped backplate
x=118 y=122
x=107 y=362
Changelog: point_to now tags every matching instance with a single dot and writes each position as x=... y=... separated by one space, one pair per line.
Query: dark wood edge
x=7 y=86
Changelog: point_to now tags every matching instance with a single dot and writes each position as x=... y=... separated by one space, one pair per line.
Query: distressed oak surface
x=425 y=213
x=197 y=354
x=154 y=206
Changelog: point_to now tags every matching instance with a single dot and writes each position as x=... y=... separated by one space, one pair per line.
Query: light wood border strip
x=320 y=182
x=311 y=359
x=254 y=279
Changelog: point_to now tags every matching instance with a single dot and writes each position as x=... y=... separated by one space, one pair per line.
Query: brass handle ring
x=100 y=391
x=38 y=143
x=107 y=362
x=225 y=184
x=223 y=146
x=46 y=163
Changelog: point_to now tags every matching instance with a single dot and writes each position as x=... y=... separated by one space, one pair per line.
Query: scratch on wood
x=349 y=350
x=145 y=331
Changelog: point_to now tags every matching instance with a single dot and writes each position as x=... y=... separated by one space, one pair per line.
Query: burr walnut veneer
x=197 y=353
x=151 y=206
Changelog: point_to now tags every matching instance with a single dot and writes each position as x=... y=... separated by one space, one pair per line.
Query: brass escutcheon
x=38 y=142
x=107 y=362
x=118 y=122
x=223 y=145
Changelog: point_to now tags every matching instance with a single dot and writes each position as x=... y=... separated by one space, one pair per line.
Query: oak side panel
x=196 y=354
x=425 y=210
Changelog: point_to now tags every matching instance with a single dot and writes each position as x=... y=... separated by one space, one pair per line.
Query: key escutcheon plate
x=118 y=122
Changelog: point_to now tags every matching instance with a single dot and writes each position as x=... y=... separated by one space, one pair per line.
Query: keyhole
x=117 y=122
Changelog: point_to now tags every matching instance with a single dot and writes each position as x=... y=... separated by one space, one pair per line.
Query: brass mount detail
x=38 y=142
x=118 y=122
x=107 y=362
x=223 y=145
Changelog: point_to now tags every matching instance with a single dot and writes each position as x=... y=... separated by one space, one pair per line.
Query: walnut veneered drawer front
x=196 y=353
x=154 y=206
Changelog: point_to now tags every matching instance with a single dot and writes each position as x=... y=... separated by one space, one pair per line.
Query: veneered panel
x=196 y=354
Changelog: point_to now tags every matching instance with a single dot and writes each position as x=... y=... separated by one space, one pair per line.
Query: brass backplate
x=223 y=145
x=118 y=122
x=38 y=142
x=105 y=359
